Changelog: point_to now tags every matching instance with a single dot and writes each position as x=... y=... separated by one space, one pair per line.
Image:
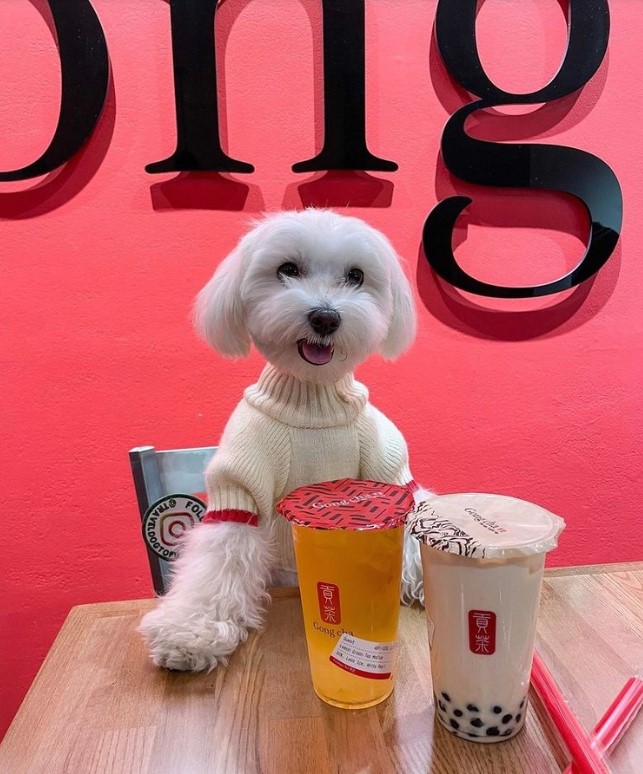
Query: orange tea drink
x=348 y=538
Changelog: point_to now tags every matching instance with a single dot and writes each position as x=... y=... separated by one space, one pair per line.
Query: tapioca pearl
x=442 y=706
x=454 y=724
x=496 y=710
x=506 y=718
x=472 y=708
x=458 y=713
x=477 y=722
x=522 y=704
x=508 y=732
x=493 y=731
x=446 y=696
x=518 y=717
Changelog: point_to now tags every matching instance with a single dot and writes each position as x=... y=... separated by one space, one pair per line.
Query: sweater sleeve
x=383 y=452
x=248 y=468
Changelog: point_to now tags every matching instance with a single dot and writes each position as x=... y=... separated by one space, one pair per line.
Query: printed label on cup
x=364 y=658
x=329 y=606
x=482 y=632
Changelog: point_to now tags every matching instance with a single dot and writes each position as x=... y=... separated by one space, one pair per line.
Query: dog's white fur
x=218 y=589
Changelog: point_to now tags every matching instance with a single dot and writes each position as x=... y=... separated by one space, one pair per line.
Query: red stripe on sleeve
x=230 y=514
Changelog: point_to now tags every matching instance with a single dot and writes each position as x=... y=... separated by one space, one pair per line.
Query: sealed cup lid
x=485 y=526
x=347 y=504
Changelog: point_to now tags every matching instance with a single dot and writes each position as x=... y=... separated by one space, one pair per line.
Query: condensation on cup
x=483 y=557
x=348 y=537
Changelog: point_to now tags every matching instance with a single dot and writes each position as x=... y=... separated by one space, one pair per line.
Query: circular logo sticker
x=167 y=520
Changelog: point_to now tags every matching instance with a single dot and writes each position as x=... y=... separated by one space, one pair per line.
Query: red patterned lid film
x=347 y=504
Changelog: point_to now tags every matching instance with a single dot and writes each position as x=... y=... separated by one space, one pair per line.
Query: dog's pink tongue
x=316 y=354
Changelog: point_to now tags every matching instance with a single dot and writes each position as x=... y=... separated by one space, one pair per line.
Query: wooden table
x=98 y=705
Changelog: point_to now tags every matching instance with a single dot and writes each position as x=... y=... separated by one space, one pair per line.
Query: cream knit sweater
x=285 y=434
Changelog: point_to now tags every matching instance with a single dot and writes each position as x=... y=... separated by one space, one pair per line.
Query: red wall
x=100 y=264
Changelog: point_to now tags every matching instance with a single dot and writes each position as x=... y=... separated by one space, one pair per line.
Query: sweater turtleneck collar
x=307 y=404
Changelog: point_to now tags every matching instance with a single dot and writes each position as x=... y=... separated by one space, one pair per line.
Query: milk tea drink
x=483 y=558
x=348 y=538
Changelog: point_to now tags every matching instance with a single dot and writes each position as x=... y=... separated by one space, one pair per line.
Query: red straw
x=586 y=759
x=617 y=718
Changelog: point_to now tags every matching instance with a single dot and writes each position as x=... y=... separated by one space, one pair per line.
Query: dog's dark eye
x=355 y=277
x=288 y=269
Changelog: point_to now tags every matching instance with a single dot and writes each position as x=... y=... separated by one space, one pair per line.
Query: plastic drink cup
x=483 y=558
x=348 y=538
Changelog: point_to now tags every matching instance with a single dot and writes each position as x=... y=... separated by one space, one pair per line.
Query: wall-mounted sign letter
x=344 y=93
x=198 y=144
x=542 y=167
x=84 y=66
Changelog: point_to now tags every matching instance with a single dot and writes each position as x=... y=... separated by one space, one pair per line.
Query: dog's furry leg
x=412 y=585
x=218 y=592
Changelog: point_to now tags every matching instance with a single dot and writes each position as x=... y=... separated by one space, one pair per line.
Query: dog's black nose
x=324 y=321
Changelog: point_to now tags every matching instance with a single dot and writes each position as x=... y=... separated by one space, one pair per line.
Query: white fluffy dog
x=316 y=293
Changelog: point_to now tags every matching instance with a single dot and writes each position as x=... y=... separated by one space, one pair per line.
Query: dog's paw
x=190 y=644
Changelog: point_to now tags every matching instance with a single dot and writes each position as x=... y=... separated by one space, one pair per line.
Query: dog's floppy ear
x=218 y=312
x=403 y=322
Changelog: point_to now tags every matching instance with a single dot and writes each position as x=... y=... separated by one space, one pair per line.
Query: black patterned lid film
x=485 y=526
x=347 y=504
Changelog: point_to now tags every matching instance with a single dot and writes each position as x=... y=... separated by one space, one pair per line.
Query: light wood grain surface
x=98 y=706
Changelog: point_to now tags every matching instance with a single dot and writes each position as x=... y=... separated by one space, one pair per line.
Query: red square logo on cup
x=329 y=606
x=482 y=632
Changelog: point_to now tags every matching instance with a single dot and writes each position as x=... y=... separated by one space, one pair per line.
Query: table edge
x=593 y=569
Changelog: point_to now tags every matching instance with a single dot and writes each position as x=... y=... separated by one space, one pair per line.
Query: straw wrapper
x=586 y=758
x=617 y=718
